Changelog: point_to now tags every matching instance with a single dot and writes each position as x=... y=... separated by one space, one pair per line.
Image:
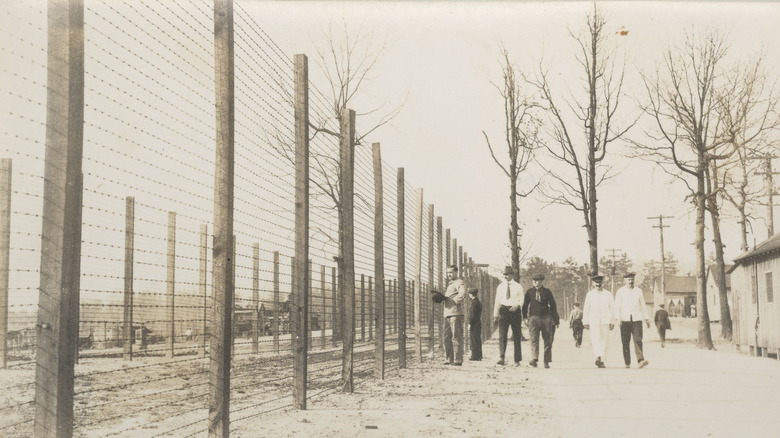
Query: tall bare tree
x=694 y=104
x=521 y=129
x=583 y=156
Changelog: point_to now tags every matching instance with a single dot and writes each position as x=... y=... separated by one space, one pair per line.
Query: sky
x=441 y=60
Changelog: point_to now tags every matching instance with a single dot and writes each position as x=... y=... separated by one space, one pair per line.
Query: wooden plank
x=6 y=168
x=379 y=265
x=170 y=282
x=418 y=279
x=347 y=243
x=202 y=279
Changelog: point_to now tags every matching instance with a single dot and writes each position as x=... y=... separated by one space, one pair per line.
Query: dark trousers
x=475 y=335
x=662 y=334
x=505 y=320
x=543 y=324
x=630 y=329
x=576 y=331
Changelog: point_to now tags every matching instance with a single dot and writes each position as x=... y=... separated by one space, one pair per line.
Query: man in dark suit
x=662 y=323
x=541 y=315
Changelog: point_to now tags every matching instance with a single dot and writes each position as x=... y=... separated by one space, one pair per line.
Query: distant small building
x=713 y=293
x=755 y=316
x=680 y=294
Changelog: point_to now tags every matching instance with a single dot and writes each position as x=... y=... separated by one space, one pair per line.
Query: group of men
x=536 y=308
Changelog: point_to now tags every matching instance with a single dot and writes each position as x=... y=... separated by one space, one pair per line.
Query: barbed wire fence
x=144 y=323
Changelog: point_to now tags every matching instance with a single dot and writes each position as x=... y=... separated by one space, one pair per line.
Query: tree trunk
x=514 y=227
x=704 y=334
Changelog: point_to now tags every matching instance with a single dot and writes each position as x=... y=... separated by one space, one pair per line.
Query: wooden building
x=680 y=294
x=755 y=315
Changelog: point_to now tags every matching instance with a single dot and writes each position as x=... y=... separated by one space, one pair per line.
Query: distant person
x=630 y=311
x=575 y=324
x=597 y=316
x=541 y=315
x=693 y=310
x=475 y=325
x=188 y=334
x=507 y=311
x=662 y=323
x=453 y=316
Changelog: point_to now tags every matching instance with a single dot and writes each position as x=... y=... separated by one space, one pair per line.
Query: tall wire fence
x=148 y=161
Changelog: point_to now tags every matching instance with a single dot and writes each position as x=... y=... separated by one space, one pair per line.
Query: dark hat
x=576 y=304
x=538 y=277
x=473 y=291
x=437 y=297
x=660 y=305
x=508 y=270
x=629 y=275
x=598 y=277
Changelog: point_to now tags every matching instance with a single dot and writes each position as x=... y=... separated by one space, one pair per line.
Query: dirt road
x=684 y=392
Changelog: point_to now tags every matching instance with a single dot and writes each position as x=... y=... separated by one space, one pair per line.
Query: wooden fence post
x=335 y=319
x=277 y=314
x=440 y=283
x=203 y=272
x=362 y=307
x=222 y=280
x=428 y=303
x=5 y=253
x=60 y=270
x=256 y=327
x=324 y=311
x=417 y=279
x=347 y=241
x=171 y=284
x=127 y=331
x=399 y=311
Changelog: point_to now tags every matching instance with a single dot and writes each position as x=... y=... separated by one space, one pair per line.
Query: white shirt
x=515 y=296
x=630 y=305
x=598 y=308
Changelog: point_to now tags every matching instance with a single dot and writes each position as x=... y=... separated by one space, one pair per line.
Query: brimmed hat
x=437 y=297
x=598 y=278
x=629 y=275
x=473 y=291
x=538 y=277
x=508 y=270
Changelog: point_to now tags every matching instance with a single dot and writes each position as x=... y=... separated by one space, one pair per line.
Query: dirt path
x=684 y=392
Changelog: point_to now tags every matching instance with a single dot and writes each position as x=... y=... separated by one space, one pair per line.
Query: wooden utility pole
x=60 y=267
x=127 y=331
x=222 y=279
x=379 y=265
x=347 y=242
x=661 y=227
x=300 y=280
x=770 y=193
x=417 y=279
x=612 y=272
x=5 y=254
x=400 y=288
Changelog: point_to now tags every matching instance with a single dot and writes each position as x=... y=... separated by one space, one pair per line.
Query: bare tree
x=347 y=61
x=747 y=106
x=694 y=105
x=521 y=128
x=583 y=158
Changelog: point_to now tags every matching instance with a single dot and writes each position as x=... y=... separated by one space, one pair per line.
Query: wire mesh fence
x=145 y=304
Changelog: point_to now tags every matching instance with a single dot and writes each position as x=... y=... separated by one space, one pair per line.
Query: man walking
x=475 y=325
x=597 y=316
x=630 y=311
x=662 y=323
x=453 y=317
x=541 y=315
x=575 y=324
x=507 y=312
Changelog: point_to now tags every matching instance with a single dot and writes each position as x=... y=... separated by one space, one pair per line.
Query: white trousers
x=599 y=335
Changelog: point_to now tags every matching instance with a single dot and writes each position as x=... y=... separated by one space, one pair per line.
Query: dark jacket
x=545 y=306
x=475 y=312
x=662 y=319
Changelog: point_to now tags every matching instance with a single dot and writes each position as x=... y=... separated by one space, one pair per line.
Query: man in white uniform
x=630 y=310
x=597 y=316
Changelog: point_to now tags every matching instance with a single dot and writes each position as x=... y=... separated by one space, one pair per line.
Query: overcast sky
x=441 y=59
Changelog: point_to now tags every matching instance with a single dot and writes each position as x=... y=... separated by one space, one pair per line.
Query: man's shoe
x=628 y=366
x=532 y=363
x=500 y=362
x=457 y=364
x=644 y=363
x=547 y=364
x=599 y=363
x=448 y=363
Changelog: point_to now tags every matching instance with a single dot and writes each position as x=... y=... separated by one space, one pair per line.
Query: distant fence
x=138 y=313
